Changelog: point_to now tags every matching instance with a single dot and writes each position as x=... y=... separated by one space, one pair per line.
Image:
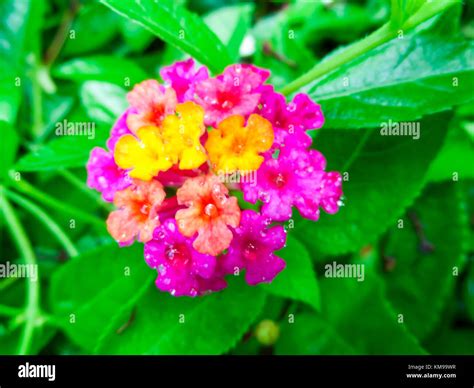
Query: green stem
x=427 y=11
x=52 y=202
x=385 y=33
x=76 y=182
x=61 y=34
x=8 y=311
x=378 y=37
x=41 y=319
x=42 y=216
x=33 y=292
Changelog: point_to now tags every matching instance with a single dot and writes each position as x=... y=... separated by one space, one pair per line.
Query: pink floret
x=182 y=77
x=253 y=248
x=235 y=92
x=182 y=271
x=292 y=120
x=104 y=175
x=296 y=178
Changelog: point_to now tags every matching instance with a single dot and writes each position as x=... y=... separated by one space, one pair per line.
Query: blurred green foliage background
x=408 y=214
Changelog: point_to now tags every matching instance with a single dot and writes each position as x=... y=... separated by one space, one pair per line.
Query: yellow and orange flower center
x=233 y=147
x=154 y=149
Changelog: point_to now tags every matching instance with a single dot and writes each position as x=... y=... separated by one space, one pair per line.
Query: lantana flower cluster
x=185 y=150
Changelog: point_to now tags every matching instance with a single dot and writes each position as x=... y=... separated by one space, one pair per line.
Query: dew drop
x=264 y=196
x=161 y=269
x=227 y=104
x=250 y=251
x=210 y=210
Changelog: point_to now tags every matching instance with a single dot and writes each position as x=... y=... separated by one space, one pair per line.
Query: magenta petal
x=182 y=271
x=275 y=237
x=331 y=192
x=305 y=113
x=232 y=261
x=237 y=91
x=290 y=121
x=204 y=265
x=119 y=129
x=295 y=178
x=264 y=270
x=104 y=175
x=252 y=248
x=182 y=76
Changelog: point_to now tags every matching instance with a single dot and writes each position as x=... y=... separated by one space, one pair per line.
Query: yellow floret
x=145 y=155
x=233 y=147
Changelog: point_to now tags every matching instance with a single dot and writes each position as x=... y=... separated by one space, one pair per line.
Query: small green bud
x=267 y=332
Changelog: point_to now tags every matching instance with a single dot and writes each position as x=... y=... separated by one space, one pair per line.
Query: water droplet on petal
x=227 y=104
x=250 y=251
x=264 y=196
x=161 y=269
x=210 y=210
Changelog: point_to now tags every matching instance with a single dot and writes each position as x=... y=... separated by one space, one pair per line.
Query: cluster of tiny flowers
x=165 y=170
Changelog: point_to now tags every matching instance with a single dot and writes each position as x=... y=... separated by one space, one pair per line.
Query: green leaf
x=384 y=175
x=136 y=37
x=119 y=71
x=63 y=152
x=360 y=314
x=342 y=22
x=103 y=101
x=231 y=24
x=298 y=280
x=94 y=294
x=13 y=24
x=401 y=80
x=403 y=9
x=469 y=292
x=10 y=143
x=280 y=49
x=421 y=282
x=13 y=29
x=9 y=92
x=55 y=108
x=93 y=28
x=212 y=324
x=456 y=158
x=453 y=342
x=310 y=335
x=177 y=26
